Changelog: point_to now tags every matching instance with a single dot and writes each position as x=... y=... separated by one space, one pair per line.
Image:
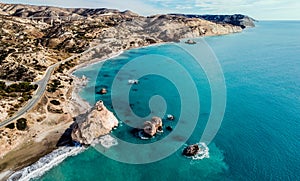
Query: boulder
x=102 y=91
x=170 y=117
x=153 y=126
x=191 y=42
x=191 y=150
x=97 y=122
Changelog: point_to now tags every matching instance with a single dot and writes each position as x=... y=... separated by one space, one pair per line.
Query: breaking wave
x=106 y=141
x=202 y=153
x=45 y=163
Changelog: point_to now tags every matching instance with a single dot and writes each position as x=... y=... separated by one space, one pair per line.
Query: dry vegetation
x=29 y=46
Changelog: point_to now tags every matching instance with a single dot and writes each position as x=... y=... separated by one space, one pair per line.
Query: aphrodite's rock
x=151 y=127
x=191 y=150
x=98 y=122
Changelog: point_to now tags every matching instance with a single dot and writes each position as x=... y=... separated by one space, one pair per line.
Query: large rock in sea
x=151 y=127
x=191 y=150
x=98 y=122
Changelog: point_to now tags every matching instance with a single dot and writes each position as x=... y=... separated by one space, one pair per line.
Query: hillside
x=240 y=20
x=35 y=38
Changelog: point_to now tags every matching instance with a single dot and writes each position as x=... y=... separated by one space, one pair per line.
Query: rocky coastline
x=121 y=31
x=97 y=122
x=240 y=20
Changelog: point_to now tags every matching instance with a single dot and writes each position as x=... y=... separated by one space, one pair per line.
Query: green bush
x=55 y=102
x=11 y=126
x=21 y=87
x=21 y=124
x=2 y=85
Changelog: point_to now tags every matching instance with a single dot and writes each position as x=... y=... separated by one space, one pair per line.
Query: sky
x=258 y=9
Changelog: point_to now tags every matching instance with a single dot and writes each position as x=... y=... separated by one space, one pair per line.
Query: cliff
x=35 y=37
x=240 y=20
x=98 y=122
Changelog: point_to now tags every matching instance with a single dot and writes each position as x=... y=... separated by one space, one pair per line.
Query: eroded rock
x=98 y=122
x=153 y=126
x=191 y=150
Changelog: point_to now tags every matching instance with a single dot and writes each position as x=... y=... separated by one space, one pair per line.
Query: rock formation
x=102 y=91
x=237 y=19
x=98 y=122
x=191 y=150
x=153 y=126
x=170 y=117
x=191 y=42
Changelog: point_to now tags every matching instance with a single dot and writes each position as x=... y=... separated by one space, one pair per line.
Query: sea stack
x=97 y=122
x=153 y=126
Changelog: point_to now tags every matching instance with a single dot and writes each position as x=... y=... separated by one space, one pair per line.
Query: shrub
x=21 y=124
x=11 y=126
x=55 y=102
x=2 y=85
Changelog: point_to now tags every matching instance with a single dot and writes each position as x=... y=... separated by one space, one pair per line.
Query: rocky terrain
x=98 y=122
x=36 y=37
x=240 y=20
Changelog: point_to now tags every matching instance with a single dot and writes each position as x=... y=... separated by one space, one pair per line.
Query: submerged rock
x=169 y=128
x=98 y=122
x=153 y=126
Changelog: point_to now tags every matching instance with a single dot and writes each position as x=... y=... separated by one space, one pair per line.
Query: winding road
x=42 y=85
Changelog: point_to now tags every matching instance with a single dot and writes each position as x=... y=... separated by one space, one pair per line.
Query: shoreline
x=81 y=106
x=76 y=100
x=92 y=62
x=111 y=56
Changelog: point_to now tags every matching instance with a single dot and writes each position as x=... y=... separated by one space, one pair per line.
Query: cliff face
x=98 y=122
x=240 y=20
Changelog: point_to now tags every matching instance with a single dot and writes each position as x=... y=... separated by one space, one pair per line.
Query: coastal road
x=42 y=85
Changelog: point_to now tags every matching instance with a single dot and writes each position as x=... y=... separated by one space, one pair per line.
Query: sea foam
x=45 y=163
x=203 y=152
x=106 y=141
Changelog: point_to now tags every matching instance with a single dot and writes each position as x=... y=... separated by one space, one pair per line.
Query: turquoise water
x=259 y=136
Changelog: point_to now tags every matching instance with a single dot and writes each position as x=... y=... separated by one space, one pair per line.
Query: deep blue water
x=259 y=135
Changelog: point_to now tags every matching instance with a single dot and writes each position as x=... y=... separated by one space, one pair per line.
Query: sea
x=255 y=135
